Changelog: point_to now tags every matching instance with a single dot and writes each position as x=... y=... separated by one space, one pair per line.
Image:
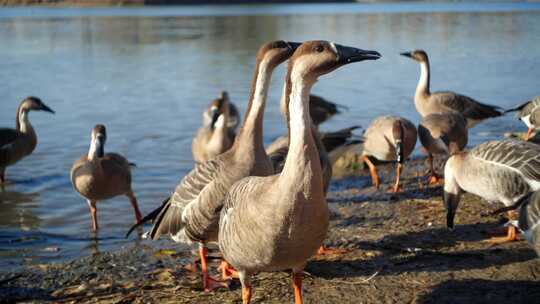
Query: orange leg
x=209 y=283
x=297 y=285
x=396 y=188
x=133 y=201
x=510 y=237
x=227 y=271
x=246 y=294
x=375 y=180
x=93 y=213
x=331 y=251
x=433 y=177
x=529 y=133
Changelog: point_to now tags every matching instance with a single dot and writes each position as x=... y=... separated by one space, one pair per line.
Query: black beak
x=293 y=45
x=349 y=54
x=215 y=116
x=400 y=156
x=45 y=108
x=406 y=54
x=451 y=202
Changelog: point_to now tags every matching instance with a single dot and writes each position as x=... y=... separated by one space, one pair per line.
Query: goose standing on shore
x=278 y=222
x=438 y=132
x=529 y=113
x=192 y=212
x=442 y=102
x=218 y=131
x=99 y=175
x=17 y=143
x=498 y=171
x=388 y=138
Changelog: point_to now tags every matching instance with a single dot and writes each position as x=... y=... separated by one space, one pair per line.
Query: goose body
x=15 y=144
x=191 y=214
x=278 y=222
x=529 y=221
x=218 y=131
x=388 y=138
x=440 y=133
x=498 y=171
x=427 y=102
x=529 y=114
x=98 y=176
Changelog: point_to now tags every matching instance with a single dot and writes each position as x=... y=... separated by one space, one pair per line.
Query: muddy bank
x=399 y=252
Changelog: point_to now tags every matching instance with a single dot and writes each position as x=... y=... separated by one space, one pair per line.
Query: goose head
x=99 y=137
x=219 y=107
x=33 y=103
x=416 y=55
x=276 y=52
x=316 y=58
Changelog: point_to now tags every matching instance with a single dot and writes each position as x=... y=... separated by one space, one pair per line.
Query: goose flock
x=266 y=207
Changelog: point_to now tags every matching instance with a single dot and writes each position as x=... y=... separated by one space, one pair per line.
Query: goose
x=529 y=221
x=98 y=175
x=438 y=102
x=440 y=131
x=320 y=109
x=191 y=213
x=388 y=138
x=498 y=171
x=529 y=113
x=17 y=143
x=218 y=131
x=278 y=222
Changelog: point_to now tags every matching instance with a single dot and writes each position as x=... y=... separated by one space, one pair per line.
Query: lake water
x=147 y=73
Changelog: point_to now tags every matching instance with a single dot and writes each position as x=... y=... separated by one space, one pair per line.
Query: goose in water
x=218 y=131
x=529 y=221
x=388 y=138
x=17 y=143
x=529 y=113
x=438 y=133
x=192 y=212
x=498 y=171
x=98 y=175
x=321 y=109
x=441 y=102
x=278 y=222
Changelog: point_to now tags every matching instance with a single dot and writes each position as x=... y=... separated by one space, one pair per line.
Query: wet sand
x=399 y=252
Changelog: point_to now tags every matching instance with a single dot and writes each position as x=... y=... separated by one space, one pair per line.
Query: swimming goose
x=17 y=143
x=440 y=131
x=277 y=222
x=388 y=138
x=191 y=214
x=498 y=171
x=529 y=113
x=218 y=131
x=439 y=102
x=529 y=221
x=99 y=175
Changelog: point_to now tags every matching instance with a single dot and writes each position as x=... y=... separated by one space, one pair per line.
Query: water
x=146 y=73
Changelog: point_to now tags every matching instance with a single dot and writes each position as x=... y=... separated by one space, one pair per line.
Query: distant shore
x=90 y=3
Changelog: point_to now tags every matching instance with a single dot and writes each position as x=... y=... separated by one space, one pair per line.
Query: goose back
x=379 y=141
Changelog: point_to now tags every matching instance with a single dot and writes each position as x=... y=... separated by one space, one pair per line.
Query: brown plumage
x=17 y=143
x=427 y=102
x=99 y=176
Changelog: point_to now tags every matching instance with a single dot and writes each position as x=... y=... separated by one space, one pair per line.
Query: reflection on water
x=147 y=79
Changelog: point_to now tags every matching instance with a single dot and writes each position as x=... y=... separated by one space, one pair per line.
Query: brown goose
x=99 y=175
x=17 y=143
x=498 y=171
x=529 y=221
x=529 y=113
x=218 y=131
x=191 y=214
x=388 y=138
x=440 y=132
x=277 y=222
x=427 y=102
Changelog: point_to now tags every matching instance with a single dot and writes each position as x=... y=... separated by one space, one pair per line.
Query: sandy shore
x=399 y=252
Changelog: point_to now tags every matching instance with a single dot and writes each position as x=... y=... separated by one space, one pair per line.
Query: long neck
x=250 y=139
x=23 y=123
x=303 y=157
x=422 y=89
x=96 y=150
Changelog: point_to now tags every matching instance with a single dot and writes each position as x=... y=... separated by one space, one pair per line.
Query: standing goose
x=529 y=113
x=438 y=132
x=17 y=143
x=99 y=175
x=218 y=131
x=438 y=102
x=529 y=221
x=277 y=222
x=388 y=138
x=498 y=171
x=191 y=214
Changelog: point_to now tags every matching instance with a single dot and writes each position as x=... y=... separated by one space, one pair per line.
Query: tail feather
x=151 y=216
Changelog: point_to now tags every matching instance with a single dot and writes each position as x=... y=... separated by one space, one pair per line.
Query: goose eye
x=319 y=48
